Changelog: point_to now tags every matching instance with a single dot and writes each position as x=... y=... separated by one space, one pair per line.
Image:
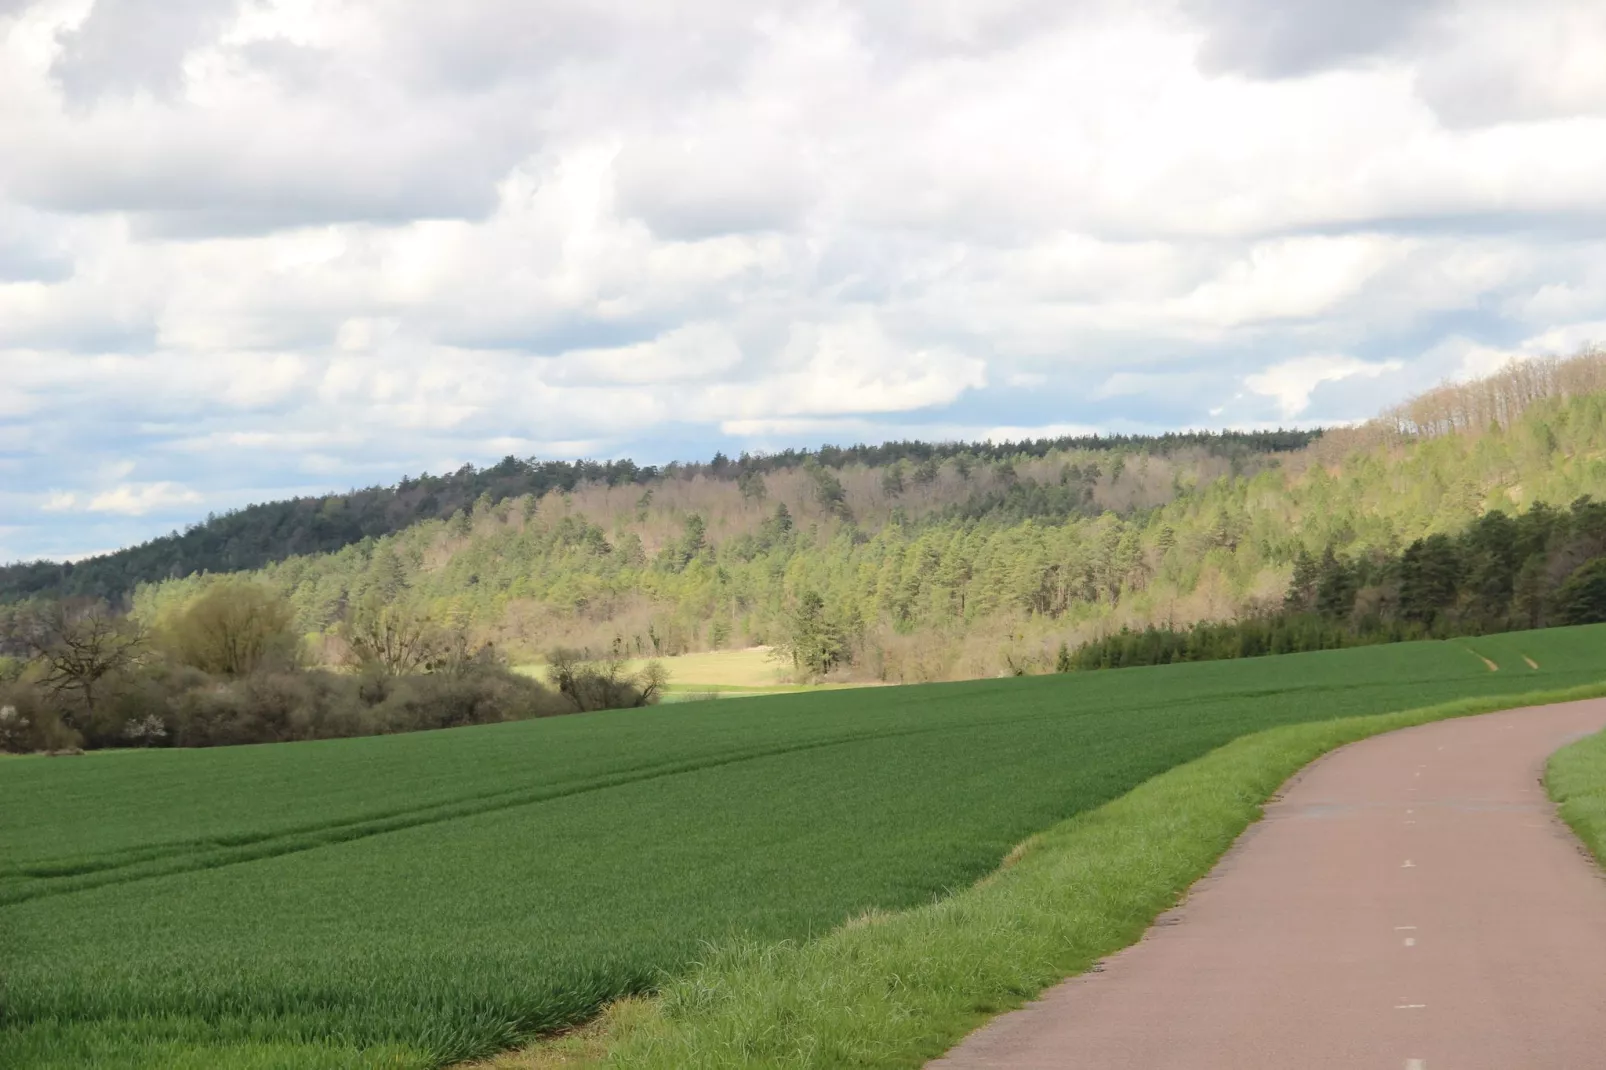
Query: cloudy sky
x=250 y=248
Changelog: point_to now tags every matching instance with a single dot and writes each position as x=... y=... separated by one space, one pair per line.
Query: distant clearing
x=412 y=900
x=749 y=671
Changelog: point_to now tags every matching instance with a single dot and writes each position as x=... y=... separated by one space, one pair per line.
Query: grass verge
x=893 y=990
x=1575 y=776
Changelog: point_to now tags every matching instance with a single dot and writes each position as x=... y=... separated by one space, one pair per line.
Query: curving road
x=1410 y=903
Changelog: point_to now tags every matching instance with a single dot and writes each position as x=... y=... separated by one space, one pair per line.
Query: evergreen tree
x=892 y=480
x=1336 y=586
x=751 y=485
x=1301 y=596
x=1581 y=599
x=1429 y=579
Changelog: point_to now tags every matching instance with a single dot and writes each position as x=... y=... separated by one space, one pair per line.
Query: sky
x=257 y=248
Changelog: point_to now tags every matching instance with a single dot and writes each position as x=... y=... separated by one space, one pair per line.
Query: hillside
x=973 y=566
x=260 y=535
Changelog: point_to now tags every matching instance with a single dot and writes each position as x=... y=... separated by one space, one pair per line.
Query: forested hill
x=260 y=535
x=972 y=564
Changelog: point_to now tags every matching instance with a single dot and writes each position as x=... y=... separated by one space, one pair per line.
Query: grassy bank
x=893 y=990
x=1576 y=779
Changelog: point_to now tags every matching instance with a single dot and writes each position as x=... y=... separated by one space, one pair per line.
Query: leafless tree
x=390 y=640
x=79 y=645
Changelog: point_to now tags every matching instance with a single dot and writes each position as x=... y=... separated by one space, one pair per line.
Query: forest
x=977 y=564
x=1541 y=568
x=1472 y=508
x=262 y=534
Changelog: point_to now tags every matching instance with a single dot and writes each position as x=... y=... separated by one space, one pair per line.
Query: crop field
x=414 y=900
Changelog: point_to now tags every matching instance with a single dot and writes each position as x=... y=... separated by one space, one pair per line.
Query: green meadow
x=414 y=900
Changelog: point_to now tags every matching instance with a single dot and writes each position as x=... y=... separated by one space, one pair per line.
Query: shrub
x=603 y=683
x=161 y=703
x=443 y=701
x=29 y=722
x=234 y=628
x=135 y=710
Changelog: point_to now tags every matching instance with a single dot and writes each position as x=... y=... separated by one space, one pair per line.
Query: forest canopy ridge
x=262 y=534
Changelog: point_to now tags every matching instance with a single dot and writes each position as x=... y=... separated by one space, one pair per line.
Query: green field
x=412 y=900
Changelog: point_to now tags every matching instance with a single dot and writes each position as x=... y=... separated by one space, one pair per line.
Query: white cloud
x=1023 y=434
x=274 y=246
x=137 y=499
x=1290 y=278
x=1292 y=382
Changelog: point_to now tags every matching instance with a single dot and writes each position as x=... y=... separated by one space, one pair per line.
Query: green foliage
x=1301 y=596
x=751 y=485
x=1582 y=599
x=260 y=535
x=814 y=641
x=234 y=628
x=1430 y=570
x=1036 y=546
x=1284 y=633
x=1467 y=584
x=892 y=480
x=828 y=489
x=417 y=899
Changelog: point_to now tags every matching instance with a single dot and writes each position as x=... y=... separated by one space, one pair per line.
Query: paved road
x=1411 y=902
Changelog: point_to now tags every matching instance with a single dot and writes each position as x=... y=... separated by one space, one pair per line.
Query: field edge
x=1575 y=779
x=897 y=989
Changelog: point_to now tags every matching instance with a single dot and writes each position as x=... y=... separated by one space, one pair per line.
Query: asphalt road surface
x=1410 y=903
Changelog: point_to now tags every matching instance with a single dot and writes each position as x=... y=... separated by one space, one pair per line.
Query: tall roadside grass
x=893 y=990
x=1576 y=780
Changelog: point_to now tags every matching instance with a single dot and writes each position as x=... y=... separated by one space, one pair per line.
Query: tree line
x=227 y=666
x=930 y=568
x=258 y=535
x=914 y=584
x=1541 y=568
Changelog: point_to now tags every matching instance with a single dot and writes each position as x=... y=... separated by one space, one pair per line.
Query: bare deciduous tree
x=390 y=640
x=79 y=645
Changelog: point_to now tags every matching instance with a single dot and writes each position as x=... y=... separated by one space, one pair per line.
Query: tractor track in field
x=24 y=882
x=63 y=877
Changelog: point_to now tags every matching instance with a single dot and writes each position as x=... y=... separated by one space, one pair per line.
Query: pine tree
x=1336 y=586
x=1301 y=596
